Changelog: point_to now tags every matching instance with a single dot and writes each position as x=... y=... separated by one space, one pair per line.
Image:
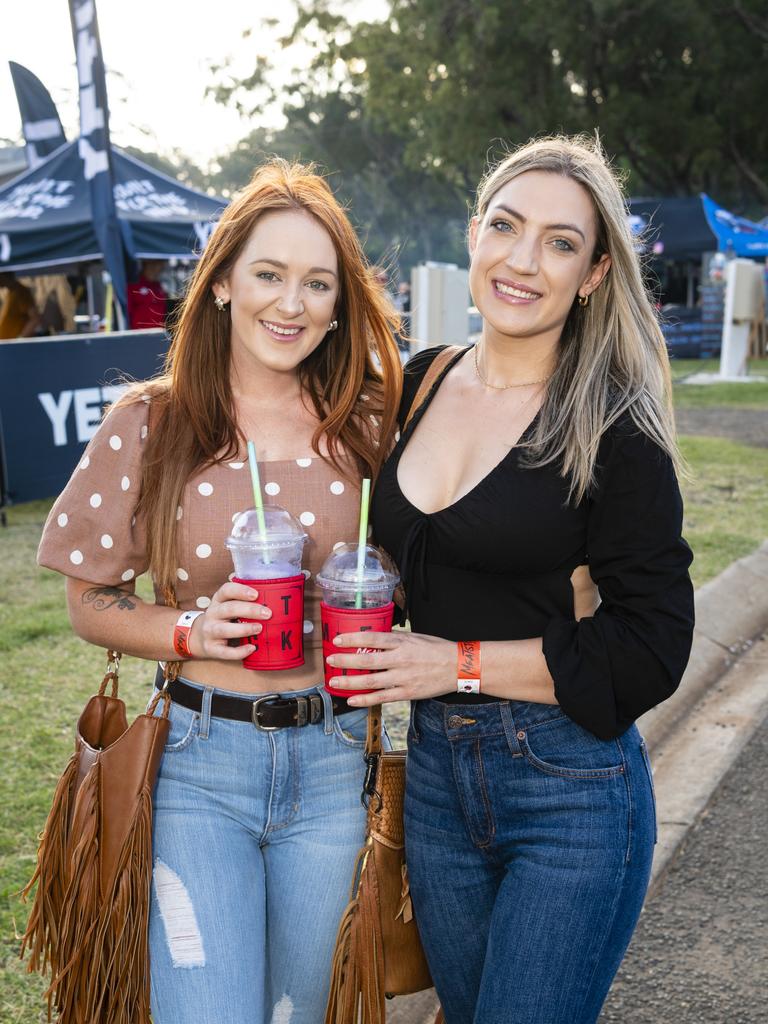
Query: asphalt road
x=700 y=952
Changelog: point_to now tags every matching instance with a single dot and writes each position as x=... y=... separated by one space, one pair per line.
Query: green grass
x=726 y=502
x=46 y=673
x=744 y=396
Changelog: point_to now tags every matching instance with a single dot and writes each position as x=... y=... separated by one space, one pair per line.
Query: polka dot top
x=94 y=533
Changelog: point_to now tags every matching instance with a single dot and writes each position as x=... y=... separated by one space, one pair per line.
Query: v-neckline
x=416 y=419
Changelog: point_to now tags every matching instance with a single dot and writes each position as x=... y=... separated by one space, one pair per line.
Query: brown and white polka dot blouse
x=93 y=532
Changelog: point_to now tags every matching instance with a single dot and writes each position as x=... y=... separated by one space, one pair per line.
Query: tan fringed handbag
x=378 y=952
x=90 y=915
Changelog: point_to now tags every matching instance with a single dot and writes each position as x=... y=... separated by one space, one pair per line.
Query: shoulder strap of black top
x=436 y=367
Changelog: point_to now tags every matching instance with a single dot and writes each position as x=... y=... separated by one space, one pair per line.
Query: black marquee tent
x=46 y=220
x=675 y=226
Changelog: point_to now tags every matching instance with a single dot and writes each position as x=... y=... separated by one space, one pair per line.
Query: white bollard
x=439 y=303
x=743 y=284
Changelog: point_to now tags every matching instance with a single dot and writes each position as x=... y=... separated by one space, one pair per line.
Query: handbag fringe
x=41 y=935
x=99 y=974
x=357 y=971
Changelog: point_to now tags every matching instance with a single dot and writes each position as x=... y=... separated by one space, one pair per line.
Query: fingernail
x=258 y=627
x=254 y=595
x=337 y=641
x=353 y=702
x=330 y=660
x=266 y=613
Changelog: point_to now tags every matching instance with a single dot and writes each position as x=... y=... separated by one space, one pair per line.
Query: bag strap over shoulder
x=436 y=367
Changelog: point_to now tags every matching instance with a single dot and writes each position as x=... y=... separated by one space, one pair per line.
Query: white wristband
x=468 y=686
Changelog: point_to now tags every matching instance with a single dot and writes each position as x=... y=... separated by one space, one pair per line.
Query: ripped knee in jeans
x=283 y=1011
x=182 y=932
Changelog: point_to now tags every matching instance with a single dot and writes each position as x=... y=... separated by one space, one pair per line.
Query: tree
x=401 y=213
x=672 y=87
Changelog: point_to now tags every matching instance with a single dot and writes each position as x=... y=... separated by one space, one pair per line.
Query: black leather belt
x=267 y=712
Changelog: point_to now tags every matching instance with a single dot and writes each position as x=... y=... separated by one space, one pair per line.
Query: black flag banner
x=94 y=145
x=39 y=117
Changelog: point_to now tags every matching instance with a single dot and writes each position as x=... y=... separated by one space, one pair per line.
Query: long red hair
x=353 y=378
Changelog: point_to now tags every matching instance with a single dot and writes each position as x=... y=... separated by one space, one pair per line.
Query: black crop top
x=496 y=565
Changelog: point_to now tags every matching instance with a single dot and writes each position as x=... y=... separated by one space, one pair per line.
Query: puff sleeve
x=92 y=532
x=614 y=666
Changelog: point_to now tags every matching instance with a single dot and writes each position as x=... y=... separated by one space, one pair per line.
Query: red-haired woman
x=284 y=338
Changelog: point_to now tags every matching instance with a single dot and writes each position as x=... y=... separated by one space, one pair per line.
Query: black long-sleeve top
x=496 y=565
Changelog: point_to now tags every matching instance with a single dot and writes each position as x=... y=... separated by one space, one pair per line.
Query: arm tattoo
x=107 y=597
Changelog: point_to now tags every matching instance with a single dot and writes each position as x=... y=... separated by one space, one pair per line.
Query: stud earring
x=584 y=300
x=333 y=325
x=220 y=303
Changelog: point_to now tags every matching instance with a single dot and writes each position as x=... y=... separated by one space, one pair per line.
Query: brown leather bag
x=90 y=915
x=378 y=952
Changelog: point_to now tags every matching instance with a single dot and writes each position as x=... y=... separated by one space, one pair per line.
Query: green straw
x=365 y=502
x=257 y=499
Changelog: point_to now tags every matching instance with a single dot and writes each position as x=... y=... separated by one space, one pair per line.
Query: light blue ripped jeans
x=255 y=839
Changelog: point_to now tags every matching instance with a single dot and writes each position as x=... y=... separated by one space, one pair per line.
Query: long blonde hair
x=353 y=378
x=612 y=356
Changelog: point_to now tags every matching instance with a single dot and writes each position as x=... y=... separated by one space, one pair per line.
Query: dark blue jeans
x=529 y=844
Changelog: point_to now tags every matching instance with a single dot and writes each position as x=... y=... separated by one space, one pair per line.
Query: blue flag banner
x=39 y=117
x=741 y=236
x=46 y=221
x=93 y=144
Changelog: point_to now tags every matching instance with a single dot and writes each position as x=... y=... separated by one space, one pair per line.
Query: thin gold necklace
x=505 y=387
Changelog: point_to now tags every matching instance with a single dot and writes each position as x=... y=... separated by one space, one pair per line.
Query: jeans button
x=455 y=722
x=521 y=735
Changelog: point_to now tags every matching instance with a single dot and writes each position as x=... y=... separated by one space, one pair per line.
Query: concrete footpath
x=700 y=952
x=701 y=947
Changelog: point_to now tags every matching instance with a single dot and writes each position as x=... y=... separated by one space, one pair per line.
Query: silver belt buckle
x=255 y=713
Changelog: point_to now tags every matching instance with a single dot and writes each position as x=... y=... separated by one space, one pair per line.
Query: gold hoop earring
x=584 y=300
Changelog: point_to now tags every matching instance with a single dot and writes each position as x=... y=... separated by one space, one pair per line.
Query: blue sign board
x=52 y=395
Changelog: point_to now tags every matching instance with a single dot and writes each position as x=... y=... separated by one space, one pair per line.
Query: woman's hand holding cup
x=399 y=666
x=214 y=631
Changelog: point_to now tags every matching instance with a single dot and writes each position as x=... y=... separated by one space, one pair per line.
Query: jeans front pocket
x=351 y=728
x=561 y=747
x=649 y=770
x=185 y=725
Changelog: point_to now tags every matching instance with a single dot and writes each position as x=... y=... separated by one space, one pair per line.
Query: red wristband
x=181 y=632
x=468 y=667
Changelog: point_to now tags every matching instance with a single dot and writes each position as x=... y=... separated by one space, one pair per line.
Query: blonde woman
x=545 y=452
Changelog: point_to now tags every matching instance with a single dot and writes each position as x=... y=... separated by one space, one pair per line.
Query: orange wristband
x=181 y=632
x=468 y=667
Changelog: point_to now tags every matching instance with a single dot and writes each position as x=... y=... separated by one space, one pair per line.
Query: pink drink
x=269 y=560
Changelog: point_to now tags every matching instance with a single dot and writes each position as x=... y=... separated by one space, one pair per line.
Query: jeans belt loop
x=327 y=700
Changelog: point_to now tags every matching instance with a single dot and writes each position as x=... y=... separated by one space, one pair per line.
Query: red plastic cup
x=280 y=644
x=350 y=620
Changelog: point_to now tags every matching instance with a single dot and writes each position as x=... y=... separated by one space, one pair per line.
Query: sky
x=157 y=54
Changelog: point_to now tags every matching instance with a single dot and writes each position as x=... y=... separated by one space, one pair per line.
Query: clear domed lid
x=340 y=567
x=280 y=529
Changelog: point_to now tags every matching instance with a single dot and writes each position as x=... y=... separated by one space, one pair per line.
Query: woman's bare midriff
x=226 y=675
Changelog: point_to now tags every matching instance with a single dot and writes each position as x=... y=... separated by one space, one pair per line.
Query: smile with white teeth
x=288 y=332
x=517 y=293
